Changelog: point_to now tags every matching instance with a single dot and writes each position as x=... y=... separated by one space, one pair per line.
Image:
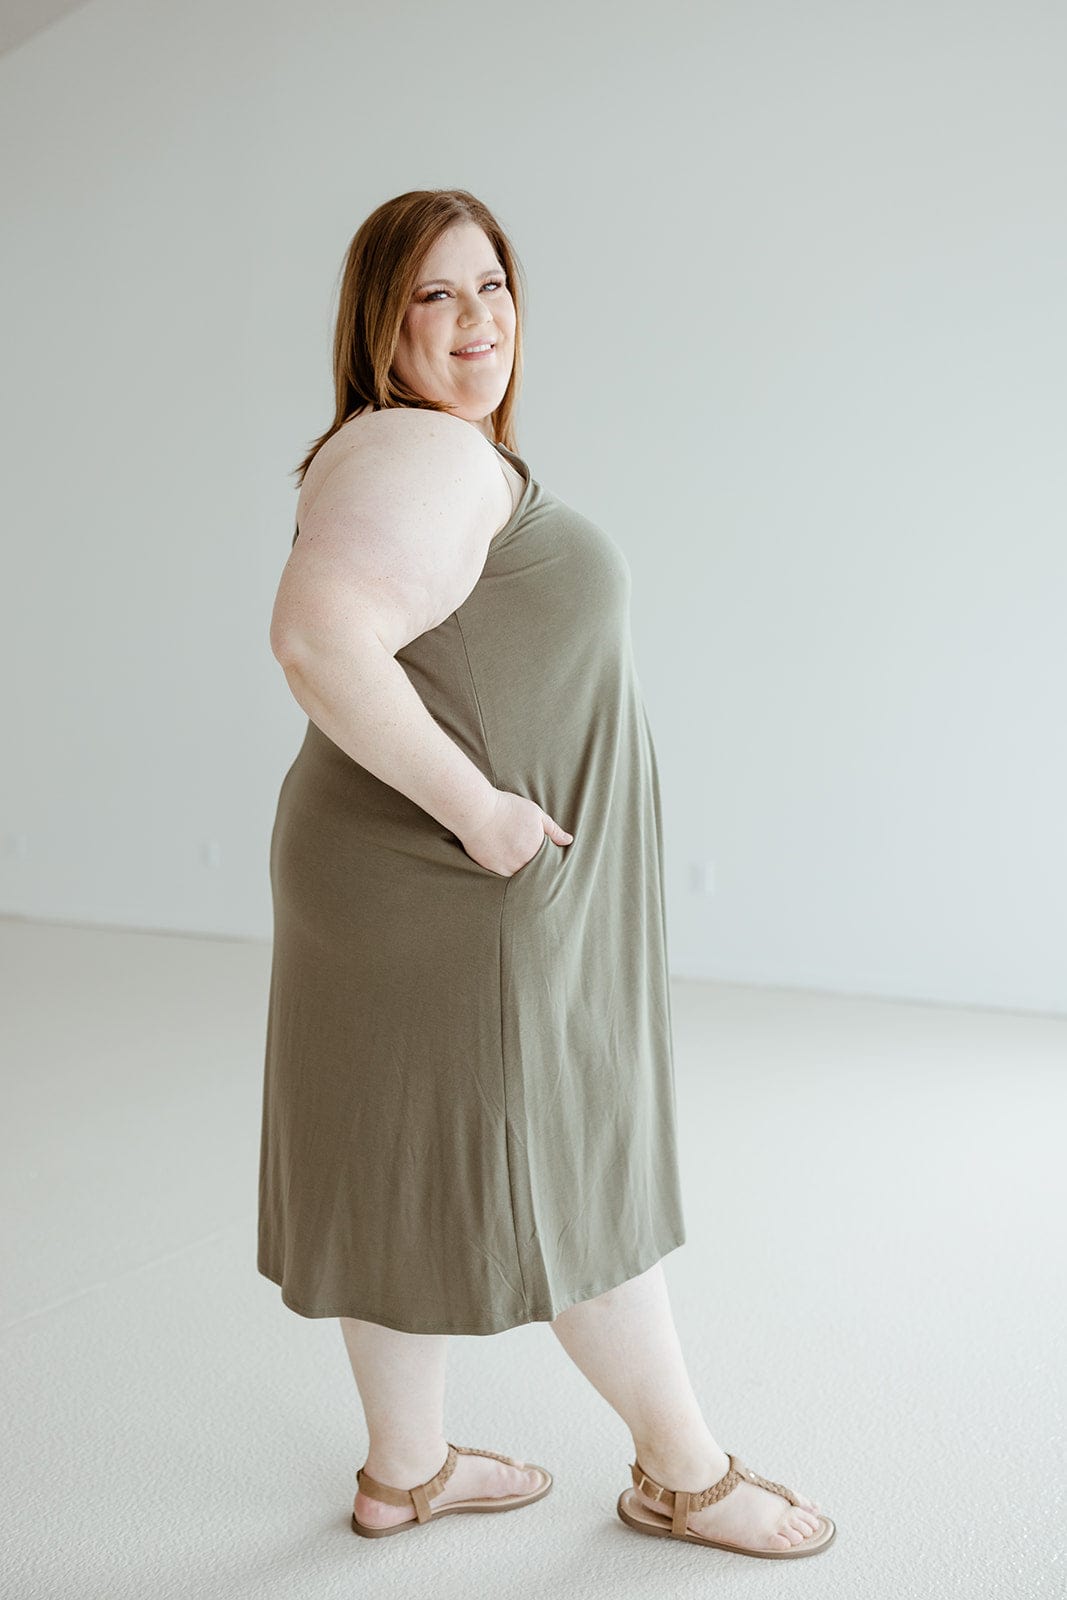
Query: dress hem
x=433 y=1325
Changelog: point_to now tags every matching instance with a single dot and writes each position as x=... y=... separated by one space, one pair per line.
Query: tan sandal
x=681 y=1502
x=423 y=1493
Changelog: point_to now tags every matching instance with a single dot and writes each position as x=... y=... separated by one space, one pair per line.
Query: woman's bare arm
x=395 y=539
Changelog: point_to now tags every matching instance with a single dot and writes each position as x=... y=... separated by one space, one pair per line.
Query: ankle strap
x=419 y=1497
x=697 y=1499
x=684 y=1501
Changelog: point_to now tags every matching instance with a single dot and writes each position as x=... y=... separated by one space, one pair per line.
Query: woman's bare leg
x=401 y=1383
x=626 y=1344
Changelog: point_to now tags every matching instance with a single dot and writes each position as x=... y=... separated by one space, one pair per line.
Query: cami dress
x=469 y=1111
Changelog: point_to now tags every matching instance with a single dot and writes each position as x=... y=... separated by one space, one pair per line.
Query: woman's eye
x=492 y=283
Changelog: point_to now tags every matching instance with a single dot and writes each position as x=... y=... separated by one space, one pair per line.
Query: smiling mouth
x=478 y=350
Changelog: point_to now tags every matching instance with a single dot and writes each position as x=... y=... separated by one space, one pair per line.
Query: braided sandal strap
x=765 y=1483
x=420 y=1496
x=467 y=1450
x=682 y=1502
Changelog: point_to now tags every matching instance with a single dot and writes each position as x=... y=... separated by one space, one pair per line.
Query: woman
x=469 y=1111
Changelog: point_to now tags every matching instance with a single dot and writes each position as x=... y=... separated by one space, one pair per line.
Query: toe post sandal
x=423 y=1493
x=680 y=1503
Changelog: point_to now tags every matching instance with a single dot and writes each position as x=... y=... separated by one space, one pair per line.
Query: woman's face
x=461 y=298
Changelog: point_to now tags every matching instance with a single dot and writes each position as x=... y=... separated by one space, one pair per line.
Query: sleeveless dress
x=469 y=1114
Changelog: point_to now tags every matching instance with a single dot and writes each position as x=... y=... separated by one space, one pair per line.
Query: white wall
x=797 y=340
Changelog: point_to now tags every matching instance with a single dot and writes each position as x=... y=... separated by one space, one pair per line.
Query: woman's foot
x=473 y=1478
x=748 y=1516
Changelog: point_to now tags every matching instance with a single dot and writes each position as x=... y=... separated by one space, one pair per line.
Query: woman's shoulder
x=408 y=429
x=419 y=441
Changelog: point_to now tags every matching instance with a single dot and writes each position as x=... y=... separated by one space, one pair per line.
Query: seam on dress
x=500 y=972
x=504 y=1088
x=477 y=702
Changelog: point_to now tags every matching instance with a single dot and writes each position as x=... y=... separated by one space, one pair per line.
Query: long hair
x=380 y=272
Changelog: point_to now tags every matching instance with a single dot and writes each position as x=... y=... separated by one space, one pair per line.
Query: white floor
x=871 y=1298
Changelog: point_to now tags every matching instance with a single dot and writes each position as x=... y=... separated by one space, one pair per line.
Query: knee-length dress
x=469 y=1112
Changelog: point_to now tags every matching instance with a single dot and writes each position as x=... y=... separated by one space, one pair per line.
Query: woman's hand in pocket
x=512 y=834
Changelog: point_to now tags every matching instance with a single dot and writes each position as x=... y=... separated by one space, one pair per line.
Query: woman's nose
x=475 y=312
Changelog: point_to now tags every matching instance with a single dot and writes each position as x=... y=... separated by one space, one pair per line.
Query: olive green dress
x=469 y=1116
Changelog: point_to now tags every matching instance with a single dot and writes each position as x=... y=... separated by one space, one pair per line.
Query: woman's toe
x=525 y=1479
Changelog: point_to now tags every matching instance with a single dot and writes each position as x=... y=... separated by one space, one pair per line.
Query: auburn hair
x=381 y=269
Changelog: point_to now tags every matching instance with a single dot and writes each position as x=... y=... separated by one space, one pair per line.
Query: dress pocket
x=501 y=877
x=518 y=870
